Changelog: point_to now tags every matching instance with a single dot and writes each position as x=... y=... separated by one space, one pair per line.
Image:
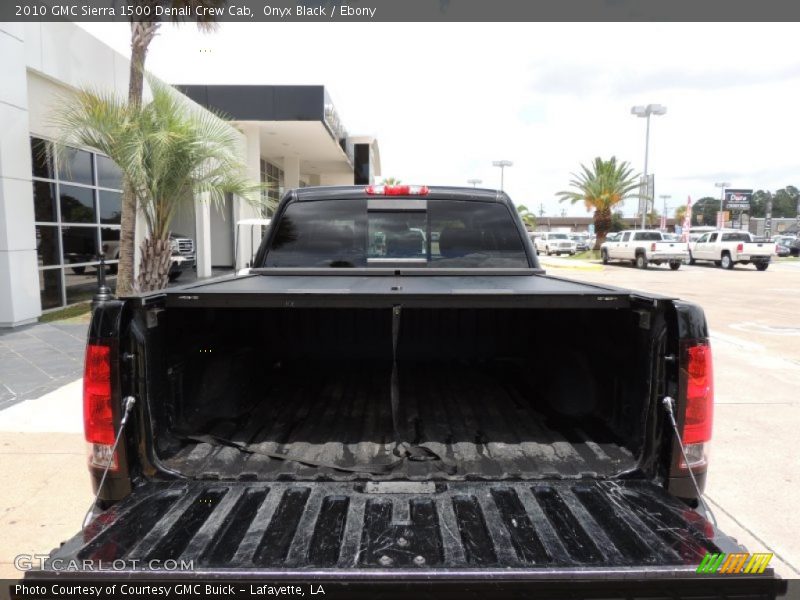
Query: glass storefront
x=77 y=198
x=272 y=177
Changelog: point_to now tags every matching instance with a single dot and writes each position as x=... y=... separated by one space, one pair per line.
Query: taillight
x=397 y=190
x=740 y=247
x=653 y=247
x=699 y=414
x=98 y=417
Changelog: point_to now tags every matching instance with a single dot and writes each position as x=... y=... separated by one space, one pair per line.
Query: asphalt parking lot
x=754 y=318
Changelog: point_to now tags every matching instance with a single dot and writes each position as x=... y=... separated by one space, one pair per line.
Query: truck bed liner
x=520 y=525
x=480 y=419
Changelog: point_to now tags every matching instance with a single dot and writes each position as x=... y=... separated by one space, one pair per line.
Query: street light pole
x=721 y=185
x=474 y=182
x=502 y=164
x=645 y=112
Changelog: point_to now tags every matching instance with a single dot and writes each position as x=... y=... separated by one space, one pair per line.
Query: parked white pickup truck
x=554 y=243
x=643 y=247
x=728 y=247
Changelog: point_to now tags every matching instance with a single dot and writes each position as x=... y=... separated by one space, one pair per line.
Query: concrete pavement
x=37 y=359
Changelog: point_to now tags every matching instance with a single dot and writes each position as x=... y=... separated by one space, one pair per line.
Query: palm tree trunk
x=602 y=225
x=142 y=34
x=154 y=265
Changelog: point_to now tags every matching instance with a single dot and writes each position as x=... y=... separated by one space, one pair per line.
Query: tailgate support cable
x=129 y=402
x=669 y=406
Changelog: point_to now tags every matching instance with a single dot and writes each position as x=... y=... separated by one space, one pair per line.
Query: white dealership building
x=55 y=219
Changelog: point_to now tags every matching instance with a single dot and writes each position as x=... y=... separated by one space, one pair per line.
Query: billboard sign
x=738 y=199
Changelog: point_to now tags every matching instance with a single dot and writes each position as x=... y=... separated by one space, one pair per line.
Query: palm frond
x=169 y=151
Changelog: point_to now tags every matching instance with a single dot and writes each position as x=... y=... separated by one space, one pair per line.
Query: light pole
x=664 y=198
x=502 y=164
x=721 y=185
x=645 y=112
x=474 y=182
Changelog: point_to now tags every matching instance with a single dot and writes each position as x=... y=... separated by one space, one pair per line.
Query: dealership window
x=77 y=202
x=272 y=178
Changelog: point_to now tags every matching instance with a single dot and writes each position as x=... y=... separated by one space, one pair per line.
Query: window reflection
x=47 y=245
x=80 y=244
x=110 y=207
x=50 y=288
x=75 y=165
x=81 y=283
x=44 y=201
x=77 y=204
x=42 y=158
x=108 y=173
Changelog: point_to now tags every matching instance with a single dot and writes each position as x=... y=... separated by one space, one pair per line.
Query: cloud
x=583 y=79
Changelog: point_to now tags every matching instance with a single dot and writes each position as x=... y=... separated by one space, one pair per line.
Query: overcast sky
x=445 y=100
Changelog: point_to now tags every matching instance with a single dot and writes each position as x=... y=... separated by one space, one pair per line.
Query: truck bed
x=481 y=418
x=418 y=526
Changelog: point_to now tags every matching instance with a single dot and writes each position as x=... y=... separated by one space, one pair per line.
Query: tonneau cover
x=410 y=290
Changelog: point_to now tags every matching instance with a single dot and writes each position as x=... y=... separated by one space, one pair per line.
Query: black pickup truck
x=393 y=399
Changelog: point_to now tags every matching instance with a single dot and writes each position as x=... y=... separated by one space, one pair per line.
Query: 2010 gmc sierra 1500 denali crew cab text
x=374 y=403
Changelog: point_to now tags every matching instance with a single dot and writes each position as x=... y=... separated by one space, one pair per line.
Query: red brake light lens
x=699 y=416
x=740 y=248
x=653 y=247
x=397 y=190
x=98 y=420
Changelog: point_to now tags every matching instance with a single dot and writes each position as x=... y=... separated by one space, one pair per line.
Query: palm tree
x=168 y=152
x=142 y=34
x=527 y=216
x=391 y=181
x=601 y=188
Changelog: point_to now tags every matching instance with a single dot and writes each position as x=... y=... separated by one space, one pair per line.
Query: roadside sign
x=738 y=199
x=590 y=228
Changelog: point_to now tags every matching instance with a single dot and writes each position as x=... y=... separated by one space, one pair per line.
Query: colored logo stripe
x=738 y=562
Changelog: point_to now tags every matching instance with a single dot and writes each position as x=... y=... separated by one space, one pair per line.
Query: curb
x=583 y=267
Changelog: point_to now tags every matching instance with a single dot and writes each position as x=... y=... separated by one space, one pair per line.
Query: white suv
x=555 y=243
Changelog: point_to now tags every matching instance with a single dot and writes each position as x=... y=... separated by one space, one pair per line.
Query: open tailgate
x=608 y=535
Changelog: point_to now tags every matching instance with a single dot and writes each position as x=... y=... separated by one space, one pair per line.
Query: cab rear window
x=433 y=233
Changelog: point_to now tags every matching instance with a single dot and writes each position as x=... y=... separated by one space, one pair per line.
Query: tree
x=527 y=216
x=168 y=152
x=680 y=214
x=142 y=34
x=618 y=222
x=601 y=188
x=704 y=211
x=391 y=181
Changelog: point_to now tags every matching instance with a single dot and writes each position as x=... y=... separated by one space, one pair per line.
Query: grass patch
x=70 y=312
x=588 y=255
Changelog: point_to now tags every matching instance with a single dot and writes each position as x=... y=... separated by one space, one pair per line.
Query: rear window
x=735 y=237
x=557 y=236
x=647 y=236
x=435 y=233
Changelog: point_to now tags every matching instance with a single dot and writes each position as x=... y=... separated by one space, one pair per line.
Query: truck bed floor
x=481 y=420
